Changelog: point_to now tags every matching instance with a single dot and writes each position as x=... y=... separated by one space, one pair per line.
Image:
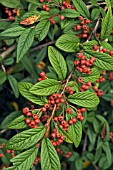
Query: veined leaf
x=24 y=160
x=65 y=134
x=107 y=25
x=81 y=8
x=45 y=87
x=14 y=84
x=103 y=61
x=3 y=77
x=5 y=123
x=25 y=41
x=57 y=62
x=92 y=77
x=49 y=157
x=18 y=123
x=85 y=99
x=26 y=139
x=95 y=13
x=69 y=13
x=89 y=44
x=11 y=3
x=24 y=90
x=42 y=29
x=75 y=131
x=12 y=32
x=67 y=42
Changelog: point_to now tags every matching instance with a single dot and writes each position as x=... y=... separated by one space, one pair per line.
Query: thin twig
x=3 y=131
x=96 y=167
x=67 y=80
x=8 y=51
x=95 y=29
x=43 y=45
x=85 y=143
x=51 y=117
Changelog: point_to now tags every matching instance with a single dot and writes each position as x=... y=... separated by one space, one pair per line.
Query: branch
x=96 y=167
x=85 y=143
x=67 y=80
x=8 y=51
x=95 y=29
x=43 y=45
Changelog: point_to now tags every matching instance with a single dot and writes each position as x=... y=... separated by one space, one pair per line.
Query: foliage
x=56 y=80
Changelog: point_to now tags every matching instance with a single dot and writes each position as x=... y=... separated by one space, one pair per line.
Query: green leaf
x=12 y=32
x=14 y=84
x=49 y=157
x=67 y=42
x=95 y=13
x=45 y=87
x=107 y=25
x=24 y=90
x=69 y=13
x=95 y=74
x=11 y=3
x=18 y=123
x=26 y=139
x=103 y=120
x=106 y=45
x=75 y=131
x=81 y=8
x=89 y=44
x=42 y=29
x=25 y=41
x=3 y=77
x=57 y=62
x=5 y=123
x=108 y=96
x=108 y=3
x=24 y=160
x=84 y=99
x=103 y=61
x=65 y=134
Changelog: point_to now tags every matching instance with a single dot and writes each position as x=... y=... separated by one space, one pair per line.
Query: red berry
x=28 y=114
x=68 y=110
x=111 y=52
x=80 y=80
x=62 y=17
x=42 y=74
x=44 y=6
x=35 y=116
x=28 y=120
x=47 y=9
x=25 y=110
x=37 y=121
x=74 y=120
x=61 y=118
x=43 y=109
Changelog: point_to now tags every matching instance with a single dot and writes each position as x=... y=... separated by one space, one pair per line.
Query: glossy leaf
x=26 y=139
x=49 y=157
x=85 y=99
x=57 y=62
x=45 y=87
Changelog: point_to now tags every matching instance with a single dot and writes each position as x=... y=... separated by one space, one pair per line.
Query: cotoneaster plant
x=60 y=99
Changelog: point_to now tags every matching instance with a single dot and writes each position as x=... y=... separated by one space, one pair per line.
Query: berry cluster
x=84 y=86
x=80 y=112
x=83 y=26
x=62 y=123
x=12 y=152
x=42 y=76
x=45 y=7
x=52 y=100
x=11 y=13
x=57 y=138
x=101 y=79
x=61 y=152
x=98 y=92
x=82 y=64
x=66 y=5
x=32 y=120
x=69 y=90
